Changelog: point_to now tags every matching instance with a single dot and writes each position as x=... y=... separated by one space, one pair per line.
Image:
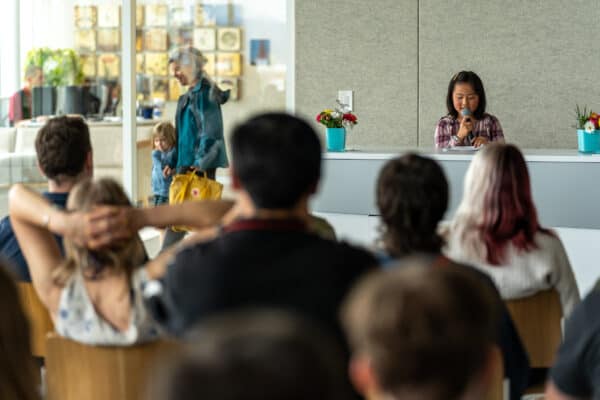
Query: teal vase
x=588 y=142
x=336 y=139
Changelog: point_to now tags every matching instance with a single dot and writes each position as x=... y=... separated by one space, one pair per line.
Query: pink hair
x=507 y=214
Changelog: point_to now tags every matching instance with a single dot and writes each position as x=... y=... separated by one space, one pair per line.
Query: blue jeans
x=160 y=200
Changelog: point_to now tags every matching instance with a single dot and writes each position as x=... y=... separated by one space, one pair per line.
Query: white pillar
x=129 y=98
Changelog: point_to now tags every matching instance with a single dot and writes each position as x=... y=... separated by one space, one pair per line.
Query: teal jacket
x=199 y=127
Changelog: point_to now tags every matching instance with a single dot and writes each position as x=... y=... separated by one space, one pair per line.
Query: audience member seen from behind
x=93 y=296
x=18 y=373
x=576 y=373
x=20 y=104
x=267 y=256
x=419 y=333
x=496 y=229
x=64 y=156
x=467 y=123
x=256 y=355
x=164 y=157
x=412 y=197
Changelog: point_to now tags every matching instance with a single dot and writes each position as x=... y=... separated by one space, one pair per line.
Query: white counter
x=537 y=155
x=565 y=183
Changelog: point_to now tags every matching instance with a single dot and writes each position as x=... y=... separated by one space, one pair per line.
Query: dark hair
x=277 y=158
x=255 y=355
x=412 y=197
x=62 y=147
x=423 y=330
x=471 y=78
x=17 y=370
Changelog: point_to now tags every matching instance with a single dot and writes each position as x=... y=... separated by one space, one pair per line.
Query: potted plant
x=63 y=75
x=336 y=122
x=588 y=130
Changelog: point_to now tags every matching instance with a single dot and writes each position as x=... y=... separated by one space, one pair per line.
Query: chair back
x=40 y=323
x=538 y=321
x=496 y=387
x=76 y=371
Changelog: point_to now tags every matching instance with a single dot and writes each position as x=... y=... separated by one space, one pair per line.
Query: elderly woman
x=198 y=120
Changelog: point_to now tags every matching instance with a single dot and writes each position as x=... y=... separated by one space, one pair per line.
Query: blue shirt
x=160 y=184
x=9 y=247
x=199 y=126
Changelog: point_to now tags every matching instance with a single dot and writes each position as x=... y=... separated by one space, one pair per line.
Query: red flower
x=319 y=118
x=349 y=117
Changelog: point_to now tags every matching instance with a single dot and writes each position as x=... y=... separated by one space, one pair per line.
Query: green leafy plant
x=60 y=67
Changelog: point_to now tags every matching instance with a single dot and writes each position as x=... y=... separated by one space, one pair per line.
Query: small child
x=164 y=157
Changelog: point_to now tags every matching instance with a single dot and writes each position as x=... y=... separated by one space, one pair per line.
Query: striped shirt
x=488 y=127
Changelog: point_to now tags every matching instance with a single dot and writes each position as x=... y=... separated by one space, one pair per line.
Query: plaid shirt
x=488 y=127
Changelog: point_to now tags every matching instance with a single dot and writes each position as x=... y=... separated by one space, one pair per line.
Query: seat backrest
x=79 y=371
x=496 y=389
x=40 y=323
x=538 y=321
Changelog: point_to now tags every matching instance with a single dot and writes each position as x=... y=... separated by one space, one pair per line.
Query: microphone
x=466 y=113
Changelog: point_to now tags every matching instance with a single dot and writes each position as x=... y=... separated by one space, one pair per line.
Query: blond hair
x=124 y=256
x=164 y=130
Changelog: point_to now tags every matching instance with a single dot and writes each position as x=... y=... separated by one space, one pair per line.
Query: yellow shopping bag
x=191 y=187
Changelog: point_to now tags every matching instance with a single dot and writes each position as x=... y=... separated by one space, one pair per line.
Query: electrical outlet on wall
x=345 y=97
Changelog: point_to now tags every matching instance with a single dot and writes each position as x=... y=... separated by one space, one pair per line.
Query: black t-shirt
x=255 y=264
x=577 y=369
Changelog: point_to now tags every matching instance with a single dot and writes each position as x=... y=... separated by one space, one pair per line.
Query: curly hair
x=62 y=147
x=412 y=197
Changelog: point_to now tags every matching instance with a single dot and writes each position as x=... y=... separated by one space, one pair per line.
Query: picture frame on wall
x=139 y=63
x=85 y=17
x=139 y=16
x=228 y=64
x=231 y=84
x=156 y=14
x=88 y=65
x=160 y=88
x=229 y=39
x=205 y=15
x=109 y=15
x=209 y=63
x=155 y=39
x=109 y=65
x=205 y=39
x=181 y=37
x=156 y=63
x=174 y=89
x=109 y=40
x=85 y=40
x=181 y=15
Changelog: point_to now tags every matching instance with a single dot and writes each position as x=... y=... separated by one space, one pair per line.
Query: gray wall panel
x=366 y=46
x=537 y=59
x=534 y=57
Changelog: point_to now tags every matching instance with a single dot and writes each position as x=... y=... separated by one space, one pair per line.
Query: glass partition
x=67 y=60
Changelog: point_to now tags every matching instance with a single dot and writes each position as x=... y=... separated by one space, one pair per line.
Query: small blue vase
x=588 y=142
x=336 y=139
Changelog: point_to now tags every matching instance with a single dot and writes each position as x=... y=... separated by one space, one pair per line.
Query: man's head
x=255 y=355
x=417 y=330
x=412 y=197
x=33 y=76
x=276 y=160
x=64 y=150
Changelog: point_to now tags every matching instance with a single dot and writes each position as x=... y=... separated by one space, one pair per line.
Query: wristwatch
x=456 y=138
